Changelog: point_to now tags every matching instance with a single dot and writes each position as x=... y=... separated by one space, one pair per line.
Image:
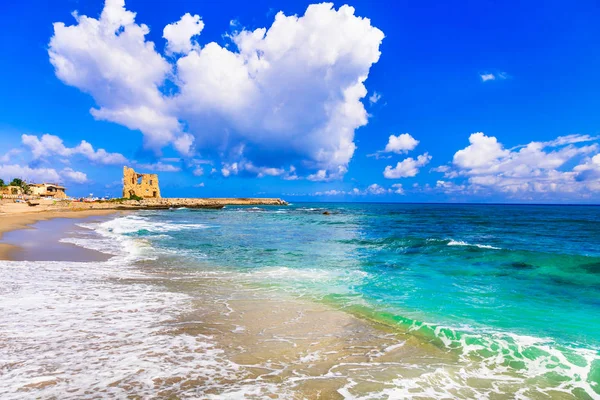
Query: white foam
x=462 y=243
x=71 y=330
x=114 y=236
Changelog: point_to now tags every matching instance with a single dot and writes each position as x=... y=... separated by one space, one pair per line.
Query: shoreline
x=17 y=221
x=244 y=330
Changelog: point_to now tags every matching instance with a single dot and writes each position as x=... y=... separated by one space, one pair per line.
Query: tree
x=2 y=183
x=16 y=182
x=22 y=184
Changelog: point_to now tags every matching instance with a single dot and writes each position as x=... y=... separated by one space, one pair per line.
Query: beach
x=288 y=302
x=16 y=218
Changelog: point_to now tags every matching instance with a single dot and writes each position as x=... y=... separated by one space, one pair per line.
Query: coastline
x=248 y=340
x=217 y=329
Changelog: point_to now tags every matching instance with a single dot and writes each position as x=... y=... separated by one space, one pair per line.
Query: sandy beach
x=15 y=216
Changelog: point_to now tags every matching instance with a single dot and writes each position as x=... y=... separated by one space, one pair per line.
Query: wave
x=462 y=243
x=510 y=361
x=129 y=237
x=71 y=330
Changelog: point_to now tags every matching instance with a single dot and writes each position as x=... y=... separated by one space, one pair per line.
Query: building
x=48 y=190
x=140 y=185
x=11 y=190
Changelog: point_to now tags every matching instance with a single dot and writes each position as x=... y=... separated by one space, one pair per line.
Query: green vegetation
x=2 y=183
x=19 y=183
x=121 y=199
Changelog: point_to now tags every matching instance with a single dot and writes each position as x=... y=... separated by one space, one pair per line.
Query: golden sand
x=14 y=216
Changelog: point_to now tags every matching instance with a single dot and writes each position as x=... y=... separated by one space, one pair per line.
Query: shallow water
x=371 y=301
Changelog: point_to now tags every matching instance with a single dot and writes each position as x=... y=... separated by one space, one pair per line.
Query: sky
x=405 y=101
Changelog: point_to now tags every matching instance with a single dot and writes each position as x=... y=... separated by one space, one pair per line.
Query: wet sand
x=19 y=246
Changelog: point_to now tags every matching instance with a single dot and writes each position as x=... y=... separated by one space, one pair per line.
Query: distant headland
x=140 y=191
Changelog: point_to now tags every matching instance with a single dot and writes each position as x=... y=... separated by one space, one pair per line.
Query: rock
x=326 y=213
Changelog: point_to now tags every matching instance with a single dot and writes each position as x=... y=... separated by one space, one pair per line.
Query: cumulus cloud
x=323 y=175
x=51 y=145
x=538 y=167
x=589 y=172
x=375 y=189
x=401 y=144
x=482 y=151
x=74 y=176
x=40 y=175
x=290 y=93
x=397 y=188
x=406 y=168
x=180 y=33
x=110 y=59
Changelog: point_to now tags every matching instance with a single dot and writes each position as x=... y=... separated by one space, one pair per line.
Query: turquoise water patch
x=516 y=286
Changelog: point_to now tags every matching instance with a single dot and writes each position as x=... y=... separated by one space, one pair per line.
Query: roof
x=47 y=184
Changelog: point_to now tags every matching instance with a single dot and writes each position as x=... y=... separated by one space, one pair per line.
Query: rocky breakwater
x=205 y=202
x=166 y=203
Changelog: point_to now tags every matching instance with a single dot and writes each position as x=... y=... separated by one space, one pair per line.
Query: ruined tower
x=141 y=185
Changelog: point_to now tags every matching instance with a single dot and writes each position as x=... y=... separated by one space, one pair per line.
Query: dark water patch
x=593 y=268
x=520 y=265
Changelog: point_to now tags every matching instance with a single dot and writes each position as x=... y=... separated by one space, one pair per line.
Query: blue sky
x=487 y=101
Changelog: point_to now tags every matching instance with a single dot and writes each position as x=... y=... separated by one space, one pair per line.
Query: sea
x=312 y=300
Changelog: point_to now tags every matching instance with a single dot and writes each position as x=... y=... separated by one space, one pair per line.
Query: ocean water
x=446 y=301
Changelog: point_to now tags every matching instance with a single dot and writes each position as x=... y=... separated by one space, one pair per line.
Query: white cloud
x=374 y=98
x=589 y=172
x=373 y=189
x=331 y=192
x=291 y=92
x=406 y=168
x=199 y=185
x=74 y=176
x=180 y=33
x=538 y=167
x=482 y=151
x=450 y=187
x=50 y=145
x=198 y=171
x=40 y=175
x=110 y=59
x=493 y=76
x=9 y=156
x=376 y=189
x=323 y=175
x=397 y=188
x=401 y=144
x=570 y=139
x=249 y=168
x=160 y=167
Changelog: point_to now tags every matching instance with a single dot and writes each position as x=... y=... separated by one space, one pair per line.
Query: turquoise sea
x=512 y=287
x=313 y=301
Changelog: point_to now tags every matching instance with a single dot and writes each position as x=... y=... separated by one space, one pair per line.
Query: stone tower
x=141 y=185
